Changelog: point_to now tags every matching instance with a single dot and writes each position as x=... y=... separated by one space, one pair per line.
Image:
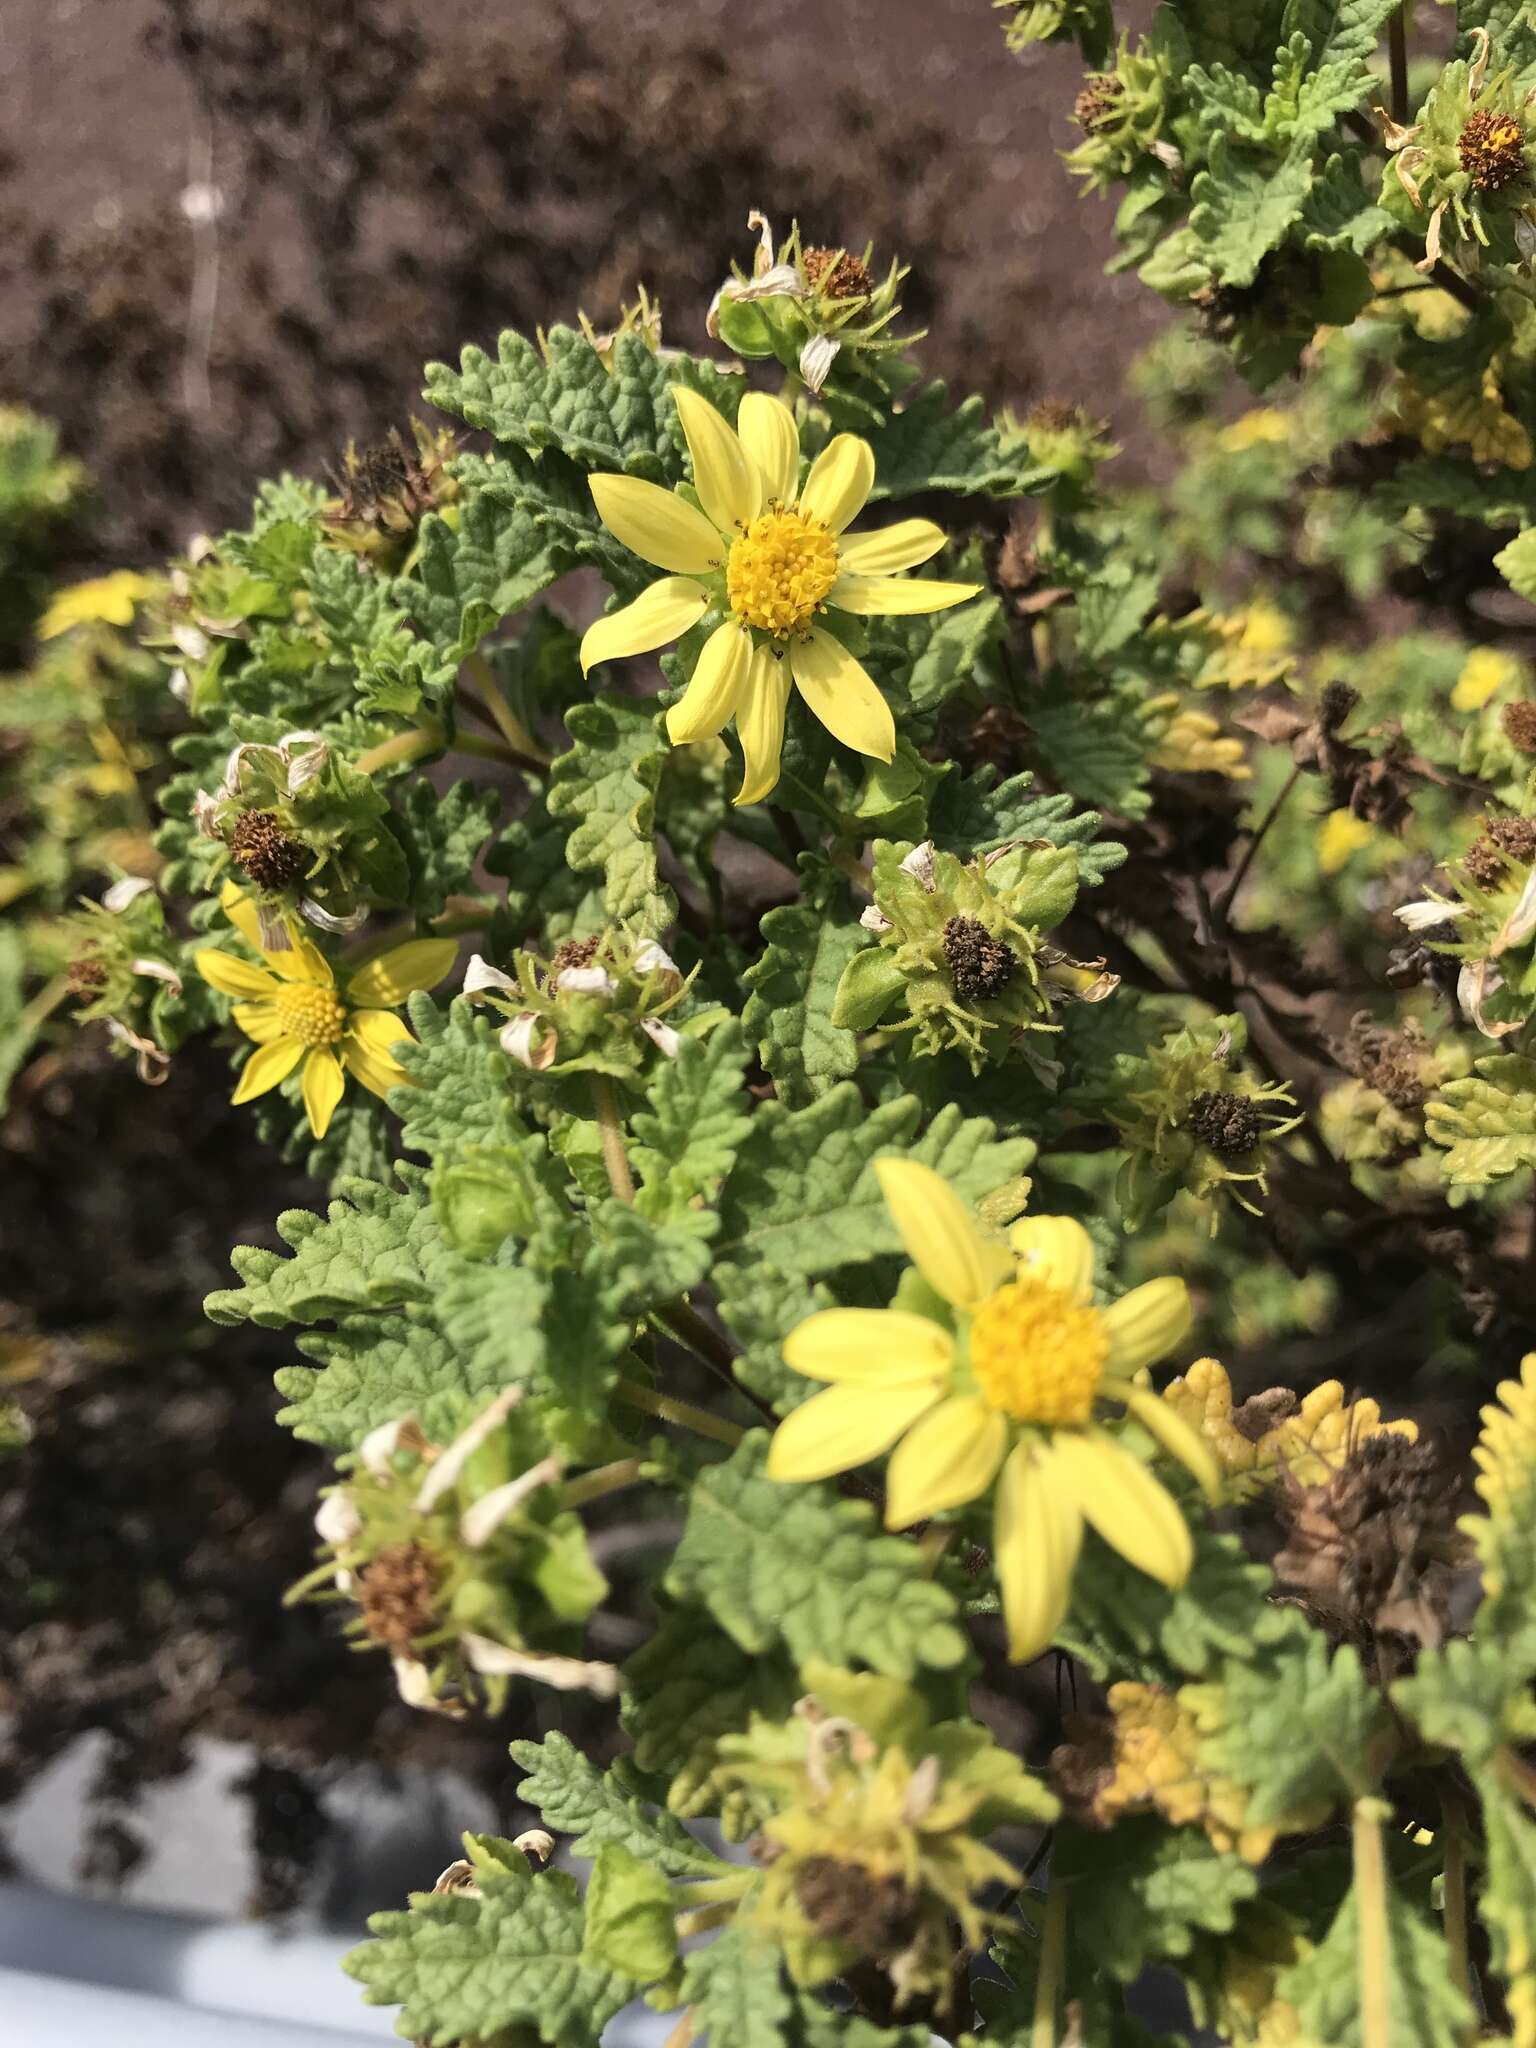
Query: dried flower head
x=1492 y=149
x=272 y=858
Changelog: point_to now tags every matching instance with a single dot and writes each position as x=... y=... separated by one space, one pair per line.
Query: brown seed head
x=1335 y=705
x=1519 y=723
x=1227 y=1124
x=1097 y=102
x=845 y=1902
x=1055 y=416
x=980 y=966
x=1083 y=1765
x=260 y=848
x=836 y=274
x=1515 y=836
x=87 y=977
x=573 y=953
x=1492 y=150
x=395 y=1596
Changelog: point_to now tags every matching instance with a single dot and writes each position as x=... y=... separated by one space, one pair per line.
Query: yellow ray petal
x=1132 y=1511
x=883 y=1346
x=377 y=1075
x=384 y=983
x=726 y=478
x=890 y=548
x=840 y=481
x=378 y=1032
x=232 y=977
x=658 y=615
x=656 y=525
x=323 y=1085
x=892 y=597
x=844 y=1427
x=941 y=1236
x=241 y=912
x=303 y=961
x=259 y=1021
x=949 y=1457
x=842 y=695
x=1179 y=1438
x=1144 y=1325
x=760 y=724
x=1037 y=1533
x=1059 y=1250
x=715 y=688
x=268 y=1065
x=769 y=435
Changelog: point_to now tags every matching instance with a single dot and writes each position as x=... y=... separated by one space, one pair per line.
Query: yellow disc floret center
x=1036 y=1354
x=779 y=571
x=312 y=1015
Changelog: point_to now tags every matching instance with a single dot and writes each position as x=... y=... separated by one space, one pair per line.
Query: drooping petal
x=949 y=1457
x=323 y=1086
x=241 y=912
x=715 y=687
x=885 y=1347
x=769 y=435
x=1037 y=1533
x=890 y=548
x=379 y=1032
x=656 y=525
x=840 y=481
x=842 y=694
x=1144 y=1325
x=760 y=723
x=384 y=983
x=844 y=1427
x=941 y=1236
x=258 y=1020
x=268 y=1065
x=661 y=614
x=724 y=475
x=1178 y=1437
x=1059 y=1250
x=377 y=1075
x=1132 y=1511
x=234 y=977
x=890 y=597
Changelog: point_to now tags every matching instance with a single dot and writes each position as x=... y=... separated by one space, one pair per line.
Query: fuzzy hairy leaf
x=370 y=1369
x=737 y=1991
x=599 y=1808
x=1152 y=1889
x=460 y=1074
x=464 y=1969
x=1241 y=210
x=1507 y=1902
x=976 y=813
x=493 y=559
x=1487 y=1123
x=607 y=785
x=688 y=1137
x=925 y=659
x=443 y=832
x=789 y=1009
x=801 y=1566
x=1300 y=1729
x=688 y=1686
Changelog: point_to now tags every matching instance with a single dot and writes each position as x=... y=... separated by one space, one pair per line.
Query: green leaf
x=1147 y=1890
x=798 y=1565
x=925 y=659
x=1507 y=1901
x=1487 y=1123
x=443 y=832
x=1241 y=210
x=927 y=447
x=688 y=1686
x=460 y=1097
x=490 y=560
x=1517 y=564
x=789 y=1009
x=1096 y=746
x=737 y=1991
x=976 y=813
x=607 y=784
x=630 y=1917
x=688 y=1136
x=463 y=1969
x=1300 y=1728
x=371 y=1369
x=600 y=1809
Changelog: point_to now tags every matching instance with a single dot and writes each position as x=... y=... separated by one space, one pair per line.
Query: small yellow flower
x=1193 y=744
x=1008 y=1394
x=1483 y=674
x=1264 y=425
x=293 y=1010
x=1311 y=1440
x=1340 y=837
x=772 y=555
x=108 y=600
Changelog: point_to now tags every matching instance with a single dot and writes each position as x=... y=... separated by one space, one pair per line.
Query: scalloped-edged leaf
x=607 y=785
x=698 y=1113
x=1152 y=1887
x=460 y=1097
x=443 y=832
x=789 y=1010
x=370 y=1369
x=928 y=446
x=975 y=813
x=475 y=570
x=1298 y=1729
x=1487 y=1122
x=599 y=1808
x=801 y=1566
x=925 y=659
x=737 y=1991
x=1243 y=208
x=688 y=1686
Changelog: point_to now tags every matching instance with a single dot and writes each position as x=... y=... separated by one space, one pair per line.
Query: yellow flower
x=1311 y=1438
x=1483 y=674
x=293 y=1010
x=1254 y=429
x=1340 y=837
x=1192 y=744
x=1008 y=1394
x=111 y=600
x=771 y=554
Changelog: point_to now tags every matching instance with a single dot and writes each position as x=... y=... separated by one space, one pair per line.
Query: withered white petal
x=537 y=1842
x=816 y=360
x=565 y=1674
x=662 y=1036
x=585 y=981
x=122 y=893
x=381 y=1443
x=205 y=811
x=919 y=864
x=336 y=1519
x=521 y=1039
x=479 y=1523
x=446 y=1470
x=653 y=959
x=158 y=970
x=330 y=920
x=1429 y=910
x=874 y=919
x=480 y=975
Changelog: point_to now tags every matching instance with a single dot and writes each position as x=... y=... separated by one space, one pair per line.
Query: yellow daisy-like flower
x=772 y=555
x=107 y=600
x=293 y=1009
x=1007 y=1394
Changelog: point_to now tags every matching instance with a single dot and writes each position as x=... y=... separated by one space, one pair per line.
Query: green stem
x=606 y=1109
x=511 y=727
x=682 y=1414
x=1371 y=1907
x=1053 y=1941
x=1229 y=895
x=401 y=747
x=1397 y=50
x=494 y=750
x=597 y=1484
x=33 y=1015
x=1454 y=1901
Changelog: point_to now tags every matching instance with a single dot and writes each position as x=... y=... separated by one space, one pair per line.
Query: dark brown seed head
x=1337 y=702
x=1225 y=1123
x=1101 y=94
x=1519 y=723
x=395 y=1596
x=1492 y=150
x=573 y=953
x=87 y=977
x=260 y=848
x=877 y=1916
x=980 y=966
x=836 y=274
x=1514 y=836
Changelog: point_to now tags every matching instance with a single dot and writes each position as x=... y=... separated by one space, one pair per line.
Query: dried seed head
x=980 y=966
x=1501 y=841
x=1055 y=416
x=1227 y=1124
x=1337 y=702
x=1083 y=1765
x=845 y=1902
x=87 y=976
x=1098 y=101
x=573 y=953
x=260 y=848
x=836 y=274
x=1492 y=150
x=1519 y=723
x=395 y=1595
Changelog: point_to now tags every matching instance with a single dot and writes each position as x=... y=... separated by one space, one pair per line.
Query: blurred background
x=231 y=232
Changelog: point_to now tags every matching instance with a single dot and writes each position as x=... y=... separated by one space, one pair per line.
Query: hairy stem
x=606 y=1109
x=1053 y=1941
x=604 y=1480
x=682 y=1414
x=1371 y=1904
x=1454 y=1903
x=401 y=747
